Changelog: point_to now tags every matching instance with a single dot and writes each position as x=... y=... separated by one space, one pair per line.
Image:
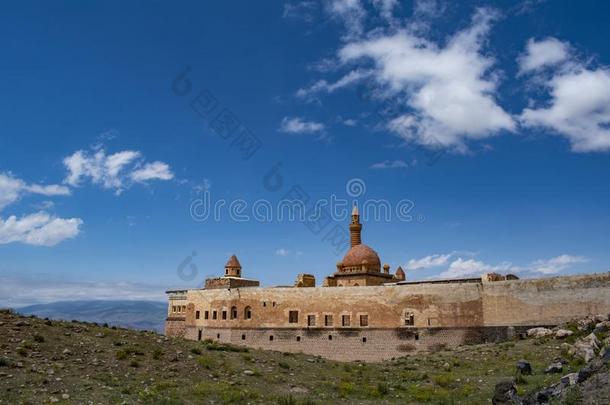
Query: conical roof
x=233 y=262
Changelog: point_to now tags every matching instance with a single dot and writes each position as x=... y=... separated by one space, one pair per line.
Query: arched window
x=233 y=312
x=247 y=313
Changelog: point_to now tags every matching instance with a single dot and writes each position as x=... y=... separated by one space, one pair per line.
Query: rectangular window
x=206 y=315
x=328 y=320
x=214 y=315
x=196 y=314
x=409 y=319
x=311 y=320
x=224 y=314
x=345 y=320
x=293 y=316
x=184 y=308
x=364 y=320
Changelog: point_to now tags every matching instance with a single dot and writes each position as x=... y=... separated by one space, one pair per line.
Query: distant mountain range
x=143 y=315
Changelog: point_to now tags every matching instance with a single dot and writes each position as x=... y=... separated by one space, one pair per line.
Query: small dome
x=233 y=263
x=362 y=254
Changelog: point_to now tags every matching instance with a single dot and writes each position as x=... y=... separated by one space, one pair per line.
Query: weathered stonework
x=377 y=322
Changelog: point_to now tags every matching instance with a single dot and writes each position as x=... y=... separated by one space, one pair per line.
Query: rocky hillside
x=45 y=361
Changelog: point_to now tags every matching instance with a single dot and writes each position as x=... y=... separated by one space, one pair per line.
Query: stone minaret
x=355 y=228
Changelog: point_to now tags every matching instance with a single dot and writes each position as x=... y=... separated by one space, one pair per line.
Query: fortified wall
x=365 y=313
x=381 y=322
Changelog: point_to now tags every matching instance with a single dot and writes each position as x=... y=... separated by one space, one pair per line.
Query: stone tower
x=355 y=228
x=233 y=267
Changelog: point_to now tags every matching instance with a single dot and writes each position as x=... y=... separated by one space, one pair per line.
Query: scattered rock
x=570 y=379
x=65 y=396
x=505 y=393
x=539 y=332
x=586 y=347
x=563 y=333
x=601 y=327
x=67 y=351
x=524 y=367
x=248 y=372
x=554 y=368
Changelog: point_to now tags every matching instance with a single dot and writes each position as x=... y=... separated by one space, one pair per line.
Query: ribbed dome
x=360 y=254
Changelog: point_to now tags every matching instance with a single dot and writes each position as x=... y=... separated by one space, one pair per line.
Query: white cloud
x=386 y=7
x=297 y=125
x=454 y=266
x=447 y=92
x=116 y=171
x=539 y=54
x=12 y=189
x=462 y=268
x=350 y=12
x=300 y=9
x=38 y=229
x=152 y=171
x=389 y=164
x=322 y=86
x=556 y=264
x=427 y=262
x=579 y=108
x=282 y=252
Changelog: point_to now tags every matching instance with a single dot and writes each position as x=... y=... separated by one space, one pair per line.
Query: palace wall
x=396 y=319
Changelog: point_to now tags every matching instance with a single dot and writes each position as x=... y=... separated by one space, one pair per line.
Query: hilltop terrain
x=143 y=315
x=46 y=361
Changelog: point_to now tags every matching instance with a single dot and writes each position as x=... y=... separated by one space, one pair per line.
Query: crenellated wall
x=397 y=319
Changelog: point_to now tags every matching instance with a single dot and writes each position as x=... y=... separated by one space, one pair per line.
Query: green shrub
x=38 y=338
x=206 y=362
x=288 y=400
x=22 y=351
x=284 y=365
x=128 y=351
x=4 y=362
x=157 y=354
x=134 y=363
x=574 y=396
x=443 y=380
x=196 y=350
x=520 y=379
x=345 y=388
x=223 y=347
x=382 y=389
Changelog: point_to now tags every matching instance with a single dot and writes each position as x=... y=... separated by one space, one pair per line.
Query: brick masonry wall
x=350 y=344
x=449 y=314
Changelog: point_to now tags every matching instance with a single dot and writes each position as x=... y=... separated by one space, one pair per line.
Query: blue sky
x=493 y=118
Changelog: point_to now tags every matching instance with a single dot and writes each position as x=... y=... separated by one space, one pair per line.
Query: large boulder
x=554 y=368
x=505 y=393
x=524 y=367
x=539 y=332
x=586 y=348
x=570 y=379
x=602 y=327
x=563 y=333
